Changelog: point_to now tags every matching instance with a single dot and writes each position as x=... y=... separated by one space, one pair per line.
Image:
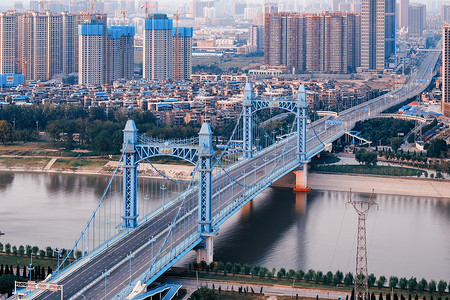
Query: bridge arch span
x=297 y=105
x=144 y=152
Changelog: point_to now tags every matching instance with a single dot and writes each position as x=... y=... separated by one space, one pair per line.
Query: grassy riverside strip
x=13 y=260
x=78 y=163
x=371 y=170
x=23 y=162
x=402 y=286
x=39 y=163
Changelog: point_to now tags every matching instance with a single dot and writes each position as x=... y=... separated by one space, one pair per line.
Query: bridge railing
x=242 y=181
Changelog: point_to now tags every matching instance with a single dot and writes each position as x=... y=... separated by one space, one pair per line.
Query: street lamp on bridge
x=106 y=274
x=130 y=256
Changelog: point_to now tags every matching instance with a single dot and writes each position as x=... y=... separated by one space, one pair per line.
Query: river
x=406 y=236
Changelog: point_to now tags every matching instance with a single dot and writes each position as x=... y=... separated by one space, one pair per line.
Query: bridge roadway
x=256 y=174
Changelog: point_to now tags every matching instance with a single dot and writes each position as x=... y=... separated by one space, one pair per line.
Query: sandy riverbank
x=365 y=184
x=335 y=182
x=180 y=172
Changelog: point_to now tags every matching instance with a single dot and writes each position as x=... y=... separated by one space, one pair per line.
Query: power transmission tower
x=417 y=131
x=361 y=275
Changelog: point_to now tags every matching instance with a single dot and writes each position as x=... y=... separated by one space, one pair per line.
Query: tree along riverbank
x=311 y=279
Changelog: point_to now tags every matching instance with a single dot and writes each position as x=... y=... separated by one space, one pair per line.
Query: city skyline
x=8 y=4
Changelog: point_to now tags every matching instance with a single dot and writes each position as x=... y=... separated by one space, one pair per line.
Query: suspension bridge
x=144 y=223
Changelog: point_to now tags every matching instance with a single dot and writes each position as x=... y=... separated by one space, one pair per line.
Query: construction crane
x=123 y=12
x=41 y=2
x=90 y=9
x=146 y=6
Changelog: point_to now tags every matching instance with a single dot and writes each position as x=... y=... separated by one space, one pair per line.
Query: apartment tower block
x=445 y=105
x=166 y=55
x=42 y=45
x=9 y=38
x=377 y=33
x=91 y=56
x=120 y=52
x=182 y=53
x=314 y=42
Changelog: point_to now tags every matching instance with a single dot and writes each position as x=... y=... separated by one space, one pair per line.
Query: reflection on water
x=47 y=209
x=407 y=236
x=5 y=180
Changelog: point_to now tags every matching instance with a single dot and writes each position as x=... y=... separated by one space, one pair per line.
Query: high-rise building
x=403 y=13
x=256 y=37
x=120 y=52
x=55 y=44
x=91 y=57
x=166 y=56
x=182 y=53
x=238 y=7
x=35 y=5
x=158 y=47
x=417 y=19
x=55 y=6
x=47 y=44
x=446 y=70
x=377 y=33
x=270 y=8
x=42 y=45
x=389 y=30
x=129 y=5
x=36 y=56
x=315 y=42
x=313 y=38
x=335 y=5
x=78 y=5
x=18 y=6
x=9 y=52
x=445 y=13
x=345 y=6
x=70 y=42
x=196 y=7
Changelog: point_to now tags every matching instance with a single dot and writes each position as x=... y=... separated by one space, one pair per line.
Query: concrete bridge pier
x=205 y=251
x=301 y=178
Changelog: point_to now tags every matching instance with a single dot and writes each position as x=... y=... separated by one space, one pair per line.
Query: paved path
x=381 y=185
x=269 y=290
x=49 y=165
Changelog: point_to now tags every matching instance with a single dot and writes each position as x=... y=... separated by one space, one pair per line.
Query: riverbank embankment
x=365 y=184
x=82 y=166
x=319 y=181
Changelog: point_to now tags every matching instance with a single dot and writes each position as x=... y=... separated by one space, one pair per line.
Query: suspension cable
x=93 y=215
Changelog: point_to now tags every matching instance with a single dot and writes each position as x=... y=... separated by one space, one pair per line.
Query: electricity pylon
x=361 y=275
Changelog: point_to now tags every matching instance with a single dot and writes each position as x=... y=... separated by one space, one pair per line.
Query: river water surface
x=406 y=236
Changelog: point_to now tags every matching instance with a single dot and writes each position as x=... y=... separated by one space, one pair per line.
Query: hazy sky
x=5 y=4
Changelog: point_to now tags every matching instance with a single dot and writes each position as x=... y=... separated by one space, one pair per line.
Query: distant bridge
x=403 y=117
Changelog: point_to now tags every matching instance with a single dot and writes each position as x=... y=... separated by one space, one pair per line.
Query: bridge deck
x=251 y=177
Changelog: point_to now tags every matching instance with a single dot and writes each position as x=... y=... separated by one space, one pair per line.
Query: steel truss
x=298 y=106
x=137 y=148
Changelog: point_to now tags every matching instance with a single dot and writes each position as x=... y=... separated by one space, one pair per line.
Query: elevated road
x=110 y=269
